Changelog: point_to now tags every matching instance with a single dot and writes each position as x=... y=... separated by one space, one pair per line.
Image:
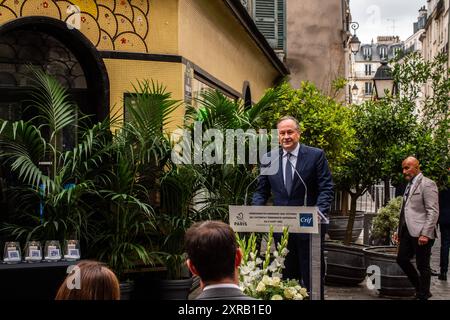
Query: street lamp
x=354 y=42
x=383 y=81
x=355 y=89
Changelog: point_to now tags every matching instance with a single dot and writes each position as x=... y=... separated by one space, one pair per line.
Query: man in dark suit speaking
x=297 y=162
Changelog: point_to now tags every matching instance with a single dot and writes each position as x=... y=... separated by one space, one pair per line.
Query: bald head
x=411 y=168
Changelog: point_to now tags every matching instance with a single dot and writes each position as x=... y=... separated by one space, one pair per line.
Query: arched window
x=65 y=54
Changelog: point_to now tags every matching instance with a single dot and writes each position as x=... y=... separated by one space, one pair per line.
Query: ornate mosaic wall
x=109 y=24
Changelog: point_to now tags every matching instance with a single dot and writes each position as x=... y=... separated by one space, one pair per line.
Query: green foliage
x=428 y=139
x=386 y=221
x=338 y=85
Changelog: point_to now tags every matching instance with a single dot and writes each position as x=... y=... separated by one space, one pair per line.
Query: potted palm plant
x=128 y=202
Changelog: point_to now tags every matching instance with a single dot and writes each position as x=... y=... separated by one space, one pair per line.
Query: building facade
x=366 y=62
x=435 y=38
x=99 y=48
x=313 y=47
x=413 y=43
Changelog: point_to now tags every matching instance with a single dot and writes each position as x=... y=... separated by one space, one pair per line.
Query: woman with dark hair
x=96 y=282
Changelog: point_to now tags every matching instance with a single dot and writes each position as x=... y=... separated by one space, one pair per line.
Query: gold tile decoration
x=108 y=24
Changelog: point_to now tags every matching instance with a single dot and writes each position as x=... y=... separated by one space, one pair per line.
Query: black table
x=32 y=281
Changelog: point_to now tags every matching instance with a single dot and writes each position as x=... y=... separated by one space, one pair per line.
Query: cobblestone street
x=439 y=289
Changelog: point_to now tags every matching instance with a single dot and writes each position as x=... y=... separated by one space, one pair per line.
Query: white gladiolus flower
x=284 y=252
x=245 y=270
x=252 y=255
x=276 y=297
x=275 y=254
x=258 y=261
x=277 y=275
x=272 y=267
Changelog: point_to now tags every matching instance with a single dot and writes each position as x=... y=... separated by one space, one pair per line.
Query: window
x=383 y=53
x=368 y=88
x=396 y=50
x=270 y=18
x=367 y=52
x=368 y=69
x=198 y=88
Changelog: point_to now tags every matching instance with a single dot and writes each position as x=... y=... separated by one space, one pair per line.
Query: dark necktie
x=288 y=173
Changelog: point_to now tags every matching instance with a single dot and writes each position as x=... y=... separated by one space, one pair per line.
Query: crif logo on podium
x=262 y=218
x=306 y=219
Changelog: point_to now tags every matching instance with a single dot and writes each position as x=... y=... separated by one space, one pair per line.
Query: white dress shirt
x=221 y=285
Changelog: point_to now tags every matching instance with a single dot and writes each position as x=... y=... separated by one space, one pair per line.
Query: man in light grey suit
x=417 y=227
x=214 y=256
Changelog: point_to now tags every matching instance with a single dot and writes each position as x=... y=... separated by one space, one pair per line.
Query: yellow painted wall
x=211 y=37
x=122 y=73
x=163 y=26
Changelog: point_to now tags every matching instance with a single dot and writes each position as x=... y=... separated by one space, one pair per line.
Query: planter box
x=338 y=226
x=394 y=281
x=345 y=265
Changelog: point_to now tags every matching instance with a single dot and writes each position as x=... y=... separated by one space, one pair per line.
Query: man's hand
x=395 y=238
x=423 y=240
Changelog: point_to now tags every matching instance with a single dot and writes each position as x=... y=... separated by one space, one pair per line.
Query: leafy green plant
x=386 y=222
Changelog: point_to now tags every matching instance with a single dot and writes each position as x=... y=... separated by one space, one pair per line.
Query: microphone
x=321 y=215
x=246 y=189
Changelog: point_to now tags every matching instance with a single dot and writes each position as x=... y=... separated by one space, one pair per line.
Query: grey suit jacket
x=223 y=294
x=422 y=208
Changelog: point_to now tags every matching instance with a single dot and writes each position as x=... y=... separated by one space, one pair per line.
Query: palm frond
x=51 y=99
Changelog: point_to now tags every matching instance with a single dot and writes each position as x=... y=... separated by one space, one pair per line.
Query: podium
x=299 y=219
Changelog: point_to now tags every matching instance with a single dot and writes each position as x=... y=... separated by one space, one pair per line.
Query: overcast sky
x=377 y=17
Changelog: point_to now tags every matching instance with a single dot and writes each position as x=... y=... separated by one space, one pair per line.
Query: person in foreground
x=214 y=256
x=298 y=162
x=96 y=282
x=417 y=227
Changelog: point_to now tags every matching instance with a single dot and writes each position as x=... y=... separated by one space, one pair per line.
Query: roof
x=246 y=20
x=375 y=56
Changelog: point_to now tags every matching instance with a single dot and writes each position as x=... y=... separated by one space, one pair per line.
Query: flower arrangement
x=260 y=275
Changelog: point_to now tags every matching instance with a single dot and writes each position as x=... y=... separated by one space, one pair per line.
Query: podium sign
x=260 y=218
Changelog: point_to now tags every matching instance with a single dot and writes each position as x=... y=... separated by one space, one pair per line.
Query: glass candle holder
x=52 y=251
x=12 y=254
x=72 y=250
x=33 y=251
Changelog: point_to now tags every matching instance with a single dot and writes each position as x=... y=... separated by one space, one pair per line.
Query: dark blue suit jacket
x=312 y=166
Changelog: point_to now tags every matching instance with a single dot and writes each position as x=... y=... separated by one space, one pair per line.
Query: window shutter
x=281 y=23
x=266 y=20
